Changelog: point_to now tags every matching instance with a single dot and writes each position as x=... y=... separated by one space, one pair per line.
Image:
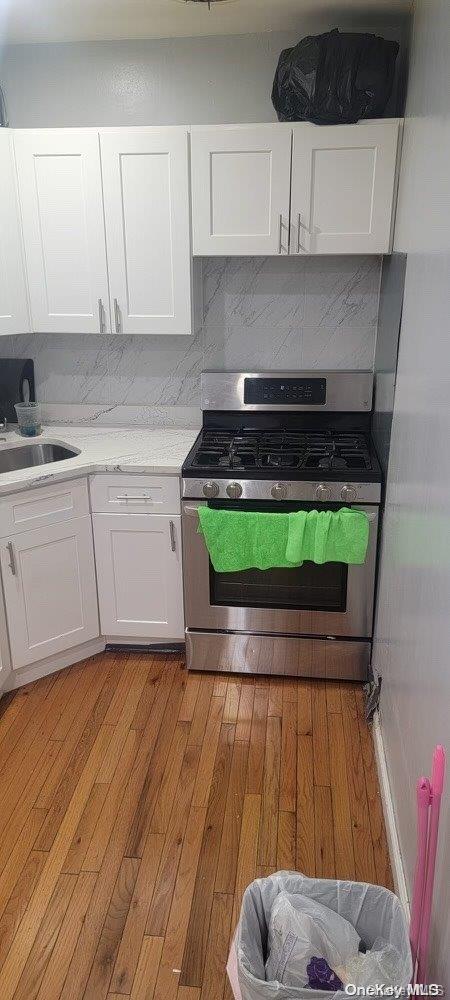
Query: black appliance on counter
x=281 y=442
x=16 y=386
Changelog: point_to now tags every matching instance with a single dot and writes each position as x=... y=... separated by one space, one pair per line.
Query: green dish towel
x=238 y=540
x=328 y=536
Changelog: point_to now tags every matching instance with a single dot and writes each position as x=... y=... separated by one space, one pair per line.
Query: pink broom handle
x=423 y=802
x=437 y=782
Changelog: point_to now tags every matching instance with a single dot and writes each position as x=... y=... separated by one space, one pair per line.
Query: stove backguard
x=303 y=391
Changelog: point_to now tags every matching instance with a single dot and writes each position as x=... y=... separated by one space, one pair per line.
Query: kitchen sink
x=25 y=456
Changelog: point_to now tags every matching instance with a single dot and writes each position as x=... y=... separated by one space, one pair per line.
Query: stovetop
x=288 y=437
x=328 y=453
x=281 y=451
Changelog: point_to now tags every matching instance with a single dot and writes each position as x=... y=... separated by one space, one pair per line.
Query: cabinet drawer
x=135 y=494
x=46 y=505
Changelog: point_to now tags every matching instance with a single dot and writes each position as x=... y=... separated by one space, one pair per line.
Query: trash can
x=375 y=913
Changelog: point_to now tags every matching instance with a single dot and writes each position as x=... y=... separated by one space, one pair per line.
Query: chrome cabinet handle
x=172 y=536
x=12 y=558
x=101 y=316
x=134 y=499
x=300 y=226
x=117 y=316
x=280 y=249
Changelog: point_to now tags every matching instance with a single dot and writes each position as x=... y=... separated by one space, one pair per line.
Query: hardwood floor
x=139 y=801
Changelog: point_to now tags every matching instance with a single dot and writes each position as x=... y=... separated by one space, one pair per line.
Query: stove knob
x=348 y=492
x=323 y=492
x=211 y=490
x=279 y=491
x=234 y=491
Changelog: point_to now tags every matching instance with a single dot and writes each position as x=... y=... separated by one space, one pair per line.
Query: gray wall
x=385 y=363
x=165 y=81
x=413 y=623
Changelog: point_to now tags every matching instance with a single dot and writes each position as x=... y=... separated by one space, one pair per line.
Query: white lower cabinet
x=49 y=589
x=138 y=559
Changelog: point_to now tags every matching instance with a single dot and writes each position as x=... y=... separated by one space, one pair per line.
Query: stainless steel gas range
x=285 y=441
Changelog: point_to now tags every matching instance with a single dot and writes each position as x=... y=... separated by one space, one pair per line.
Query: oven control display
x=285 y=391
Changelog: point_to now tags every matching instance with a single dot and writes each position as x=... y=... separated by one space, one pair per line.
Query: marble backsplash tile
x=257 y=312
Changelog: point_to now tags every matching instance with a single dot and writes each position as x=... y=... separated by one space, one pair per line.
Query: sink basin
x=25 y=456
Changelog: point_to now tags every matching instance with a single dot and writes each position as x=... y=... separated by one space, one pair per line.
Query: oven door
x=328 y=600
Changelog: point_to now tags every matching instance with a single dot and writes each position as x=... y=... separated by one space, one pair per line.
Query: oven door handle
x=193 y=508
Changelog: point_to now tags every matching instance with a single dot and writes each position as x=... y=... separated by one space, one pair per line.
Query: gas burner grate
x=281 y=460
x=243 y=449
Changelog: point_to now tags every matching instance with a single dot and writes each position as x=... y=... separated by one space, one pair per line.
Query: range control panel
x=285 y=391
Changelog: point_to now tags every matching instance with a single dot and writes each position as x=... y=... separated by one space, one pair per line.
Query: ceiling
x=82 y=20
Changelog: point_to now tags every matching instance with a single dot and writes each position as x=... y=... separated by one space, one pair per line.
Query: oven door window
x=309 y=587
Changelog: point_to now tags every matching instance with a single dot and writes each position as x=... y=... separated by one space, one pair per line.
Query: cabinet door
x=49 y=587
x=138 y=559
x=240 y=189
x=146 y=192
x=342 y=187
x=14 y=317
x=62 y=209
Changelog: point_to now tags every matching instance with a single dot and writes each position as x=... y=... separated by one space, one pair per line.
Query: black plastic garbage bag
x=334 y=78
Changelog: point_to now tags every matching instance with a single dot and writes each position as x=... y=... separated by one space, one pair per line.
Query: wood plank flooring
x=137 y=802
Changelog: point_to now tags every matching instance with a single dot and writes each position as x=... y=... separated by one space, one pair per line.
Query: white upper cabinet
x=62 y=211
x=343 y=180
x=14 y=317
x=146 y=195
x=105 y=215
x=240 y=189
x=340 y=193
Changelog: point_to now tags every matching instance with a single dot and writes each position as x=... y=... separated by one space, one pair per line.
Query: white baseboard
x=17 y=678
x=395 y=854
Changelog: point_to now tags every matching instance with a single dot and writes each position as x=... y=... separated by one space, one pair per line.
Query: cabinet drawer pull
x=12 y=558
x=134 y=499
x=280 y=250
x=172 y=536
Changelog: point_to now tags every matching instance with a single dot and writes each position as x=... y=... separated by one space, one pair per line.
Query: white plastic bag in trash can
x=299 y=928
x=375 y=913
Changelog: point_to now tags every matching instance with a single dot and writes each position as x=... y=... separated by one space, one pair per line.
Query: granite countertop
x=154 y=450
